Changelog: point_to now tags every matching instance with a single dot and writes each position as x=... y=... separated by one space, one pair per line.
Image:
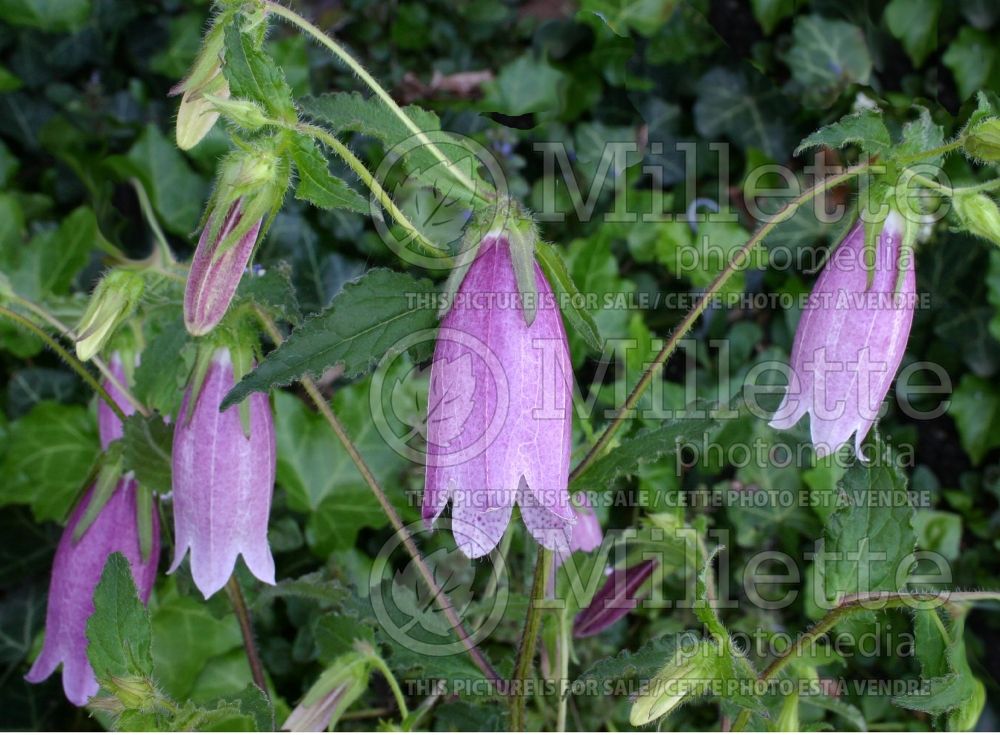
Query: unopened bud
x=335 y=690
x=197 y=113
x=134 y=692
x=687 y=675
x=979 y=215
x=983 y=141
x=244 y=113
x=113 y=301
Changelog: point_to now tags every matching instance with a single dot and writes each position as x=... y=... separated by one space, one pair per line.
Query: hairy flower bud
x=688 y=674
x=113 y=301
x=336 y=689
x=223 y=479
x=980 y=215
x=499 y=410
x=196 y=114
x=851 y=339
x=983 y=141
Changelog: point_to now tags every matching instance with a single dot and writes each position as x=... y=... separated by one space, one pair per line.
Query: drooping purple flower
x=614 y=600
x=850 y=340
x=109 y=426
x=222 y=482
x=499 y=410
x=77 y=567
x=213 y=278
x=586 y=535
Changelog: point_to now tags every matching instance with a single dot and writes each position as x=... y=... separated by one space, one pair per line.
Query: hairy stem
x=341 y=53
x=952 y=191
x=737 y=262
x=376 y=189
x=379 y=664
x=529 y=639
x=246 y=629
x=850 y=605
x=77 y=366
x=440 y=597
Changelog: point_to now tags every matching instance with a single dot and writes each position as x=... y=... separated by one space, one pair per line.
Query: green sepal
x=201 y=362
x=108 y=476
x=522 y=237
x=144 y=519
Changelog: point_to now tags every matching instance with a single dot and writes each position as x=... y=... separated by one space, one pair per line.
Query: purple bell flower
x=222 y=482
x=213 y=278
x=850 y=340
x=614 y=600
x=109 y=426
x=78 y=565
x=499 y=410
x=586 y=535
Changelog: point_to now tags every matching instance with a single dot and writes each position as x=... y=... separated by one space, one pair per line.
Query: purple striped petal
x=222 y=482
x=614 y=600
x=109 y=426
x=499 y=411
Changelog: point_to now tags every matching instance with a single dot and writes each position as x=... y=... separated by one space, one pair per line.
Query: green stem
x=445 y=604
x=393 y=685
x=952 y=191
x=562 y=668
x=886 y=600
x=932 y=153
x=246 y=629
x=77 y=366
x=529 y=639
x=341 y=53
x=737 y=262
x=364 y=174
x=147 y=211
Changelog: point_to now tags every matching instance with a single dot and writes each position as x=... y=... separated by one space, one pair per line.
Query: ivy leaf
x=975 y=406
x=864 y=128
x=253 y=74
x=648 y=445
x=351 y=112
x=749 y=110
x=972 y=58
x=867 y=539
x=568 y=295
x=49 y=454
x=769 y=13
x=51 y=16
x=369 y=317
x=147 y=443
x=826 y=57
x=915 y=24
x=318 y=186
x=119 y=631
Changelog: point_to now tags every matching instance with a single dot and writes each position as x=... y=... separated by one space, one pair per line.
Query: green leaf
x=50 y=452
x=827 y=56
x=253 y=75
x=147 y=444
x=975 y=406
x=972 y=59
x=769 y=13
x=915 y=24
x=648 y=445
x=118 y=632
x=273 y=291
x=165 y=366
x=318 y=186
x=316 y=586
x=642 y=664
x=177 y=193
x=920 y=135
x=369 y=317
x=255 y=704
x=68 y=251
x=645 y=17
x=864 y=128
x=51 y=16
x=527 y=84
x=868 y=538
x=750 y=111
x=350 y=112
x=568 y=295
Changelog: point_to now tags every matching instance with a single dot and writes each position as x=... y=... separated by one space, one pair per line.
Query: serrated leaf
x=641 y=664
x=253 y=74
x=648 y=445
x=351 y=112
x=318 y=186
x=370 y=316
x=315 y=586
x=163 y=370
x=273 y=291
x=49 y=454
x=566 y=292
x=920 y=135
x=253 y=703
x=867 y=539
x=147 y=442
x=864 y=128
x=119 y=631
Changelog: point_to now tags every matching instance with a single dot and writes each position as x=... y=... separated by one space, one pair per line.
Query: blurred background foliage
x=84 y=108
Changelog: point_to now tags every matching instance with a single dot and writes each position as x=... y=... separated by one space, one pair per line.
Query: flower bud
x=965 y=716
x=114 y=299
x=618 y=596
x=134 y=692
x=979 y=215
x=244 y=113
x=335 y=690
x=983 y=141
x=222 y=481
x=196 y=114
x=687 y=675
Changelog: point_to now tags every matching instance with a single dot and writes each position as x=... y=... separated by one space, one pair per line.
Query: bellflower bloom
x=78 y=565
x=499 y=410
x=222 y=481
x=614 y=600
x=213 y=278
x=850 y=340
x=109 y=426
x=586 y=535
